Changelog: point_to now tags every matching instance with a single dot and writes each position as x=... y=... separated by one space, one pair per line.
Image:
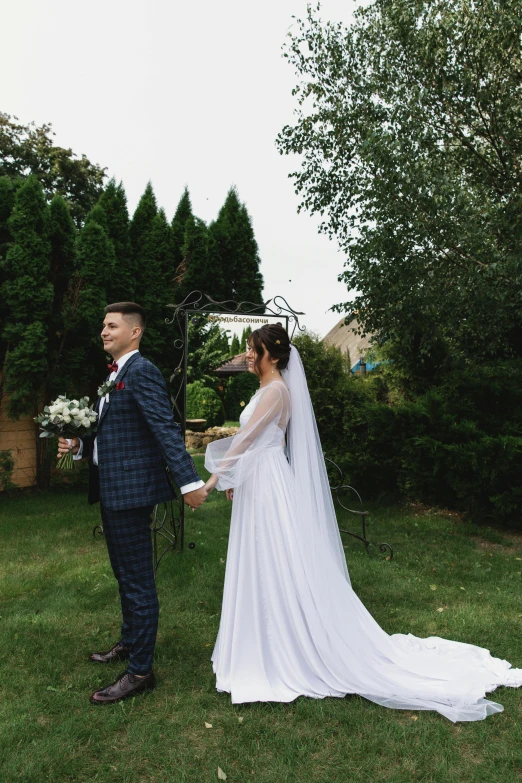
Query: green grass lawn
x=58 y=603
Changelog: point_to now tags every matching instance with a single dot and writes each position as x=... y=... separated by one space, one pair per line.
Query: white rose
x=74 y=412
x=85 y=423
x=66 y=418
x=93 y=416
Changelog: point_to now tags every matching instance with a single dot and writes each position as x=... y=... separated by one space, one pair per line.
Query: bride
x=291 y=624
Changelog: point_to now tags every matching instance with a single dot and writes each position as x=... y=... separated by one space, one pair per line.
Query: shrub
x=467 y=451
x=6 y=470
x=239 y=389
x=204 y=403
x=457 y=445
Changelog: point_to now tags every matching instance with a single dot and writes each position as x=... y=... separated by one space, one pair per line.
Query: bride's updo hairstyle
x=273 y=338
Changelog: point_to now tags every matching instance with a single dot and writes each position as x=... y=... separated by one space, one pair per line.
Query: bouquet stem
x=66 y=461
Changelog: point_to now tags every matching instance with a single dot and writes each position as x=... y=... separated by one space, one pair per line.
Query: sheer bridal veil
x=316 y=514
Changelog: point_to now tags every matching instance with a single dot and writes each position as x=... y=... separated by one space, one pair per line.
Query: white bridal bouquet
x=67 y=419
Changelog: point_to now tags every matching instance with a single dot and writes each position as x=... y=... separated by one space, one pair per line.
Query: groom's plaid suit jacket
x=137 y=437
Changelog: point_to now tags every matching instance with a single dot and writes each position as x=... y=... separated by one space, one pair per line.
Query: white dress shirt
x=112 y=377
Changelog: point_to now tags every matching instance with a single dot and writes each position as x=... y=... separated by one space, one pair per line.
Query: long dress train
x=291 y=623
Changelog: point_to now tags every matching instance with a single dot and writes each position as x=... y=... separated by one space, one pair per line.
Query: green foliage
x=207 y=349
x=6 y=470
x=233 y=252
x=238 y=391
x=465 y=449
x=29 y=150
x=204 y=403
x=459 y=445
x=27 y=296
x=409 y=136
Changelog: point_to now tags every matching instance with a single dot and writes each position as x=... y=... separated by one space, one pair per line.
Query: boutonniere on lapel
x=110 y=386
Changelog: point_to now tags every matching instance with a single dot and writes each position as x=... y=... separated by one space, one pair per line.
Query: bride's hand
x=230 y=494
x=211 y=483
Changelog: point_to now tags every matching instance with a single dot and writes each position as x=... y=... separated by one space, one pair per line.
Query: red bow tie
x=113 y=367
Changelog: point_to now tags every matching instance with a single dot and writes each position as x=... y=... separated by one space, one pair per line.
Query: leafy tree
x=28 y=149
x=409 y=131
x=116 y=223
x=233 y=253
x=27 y=295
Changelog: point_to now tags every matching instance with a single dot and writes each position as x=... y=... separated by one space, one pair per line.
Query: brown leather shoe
x=117 y=653
x=126 y=685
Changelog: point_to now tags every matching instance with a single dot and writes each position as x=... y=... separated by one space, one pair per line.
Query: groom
x=136 y=438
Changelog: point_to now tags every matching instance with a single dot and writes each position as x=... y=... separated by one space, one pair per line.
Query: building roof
x=233 y=366
x=345 y=338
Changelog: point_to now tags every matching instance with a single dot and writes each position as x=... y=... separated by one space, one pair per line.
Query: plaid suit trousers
x=128 y=538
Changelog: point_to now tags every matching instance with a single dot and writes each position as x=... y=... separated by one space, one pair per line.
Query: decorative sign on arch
x=168 y=524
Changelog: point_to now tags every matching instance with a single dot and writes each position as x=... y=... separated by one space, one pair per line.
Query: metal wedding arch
x=168 y=521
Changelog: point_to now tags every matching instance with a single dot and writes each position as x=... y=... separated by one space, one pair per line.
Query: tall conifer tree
x=62 y=237
x=140 y=229
x=28 y=296
x=114 y=204
x=235 y=346
x=198 y=276
x=155 y=294
x=233 y=253
x=7 y=199
x=179 y=223
x=86 y=300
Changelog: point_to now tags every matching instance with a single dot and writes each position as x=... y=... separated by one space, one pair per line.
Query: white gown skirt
x=291 y=624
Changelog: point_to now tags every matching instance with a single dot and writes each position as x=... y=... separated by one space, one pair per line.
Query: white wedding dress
x=291 y=624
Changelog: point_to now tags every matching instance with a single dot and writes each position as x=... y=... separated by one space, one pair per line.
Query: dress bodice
x=273 y=431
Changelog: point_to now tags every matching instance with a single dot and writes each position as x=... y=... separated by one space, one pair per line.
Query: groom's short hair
x=131 y=312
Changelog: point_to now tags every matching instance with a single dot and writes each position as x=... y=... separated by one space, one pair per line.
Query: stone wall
x=200 y=440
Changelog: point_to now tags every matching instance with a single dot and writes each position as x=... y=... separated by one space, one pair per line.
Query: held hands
x=63 y=446
x=211 y=483
x=195 y=498
x=230 y=493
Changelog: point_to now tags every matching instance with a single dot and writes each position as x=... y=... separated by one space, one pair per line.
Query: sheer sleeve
x=232 y=459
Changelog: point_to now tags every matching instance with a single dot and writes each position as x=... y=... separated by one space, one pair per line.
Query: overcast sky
x=181 y=94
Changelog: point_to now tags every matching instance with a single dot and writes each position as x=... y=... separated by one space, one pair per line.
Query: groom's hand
x=63 y=446
x=195 y=498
